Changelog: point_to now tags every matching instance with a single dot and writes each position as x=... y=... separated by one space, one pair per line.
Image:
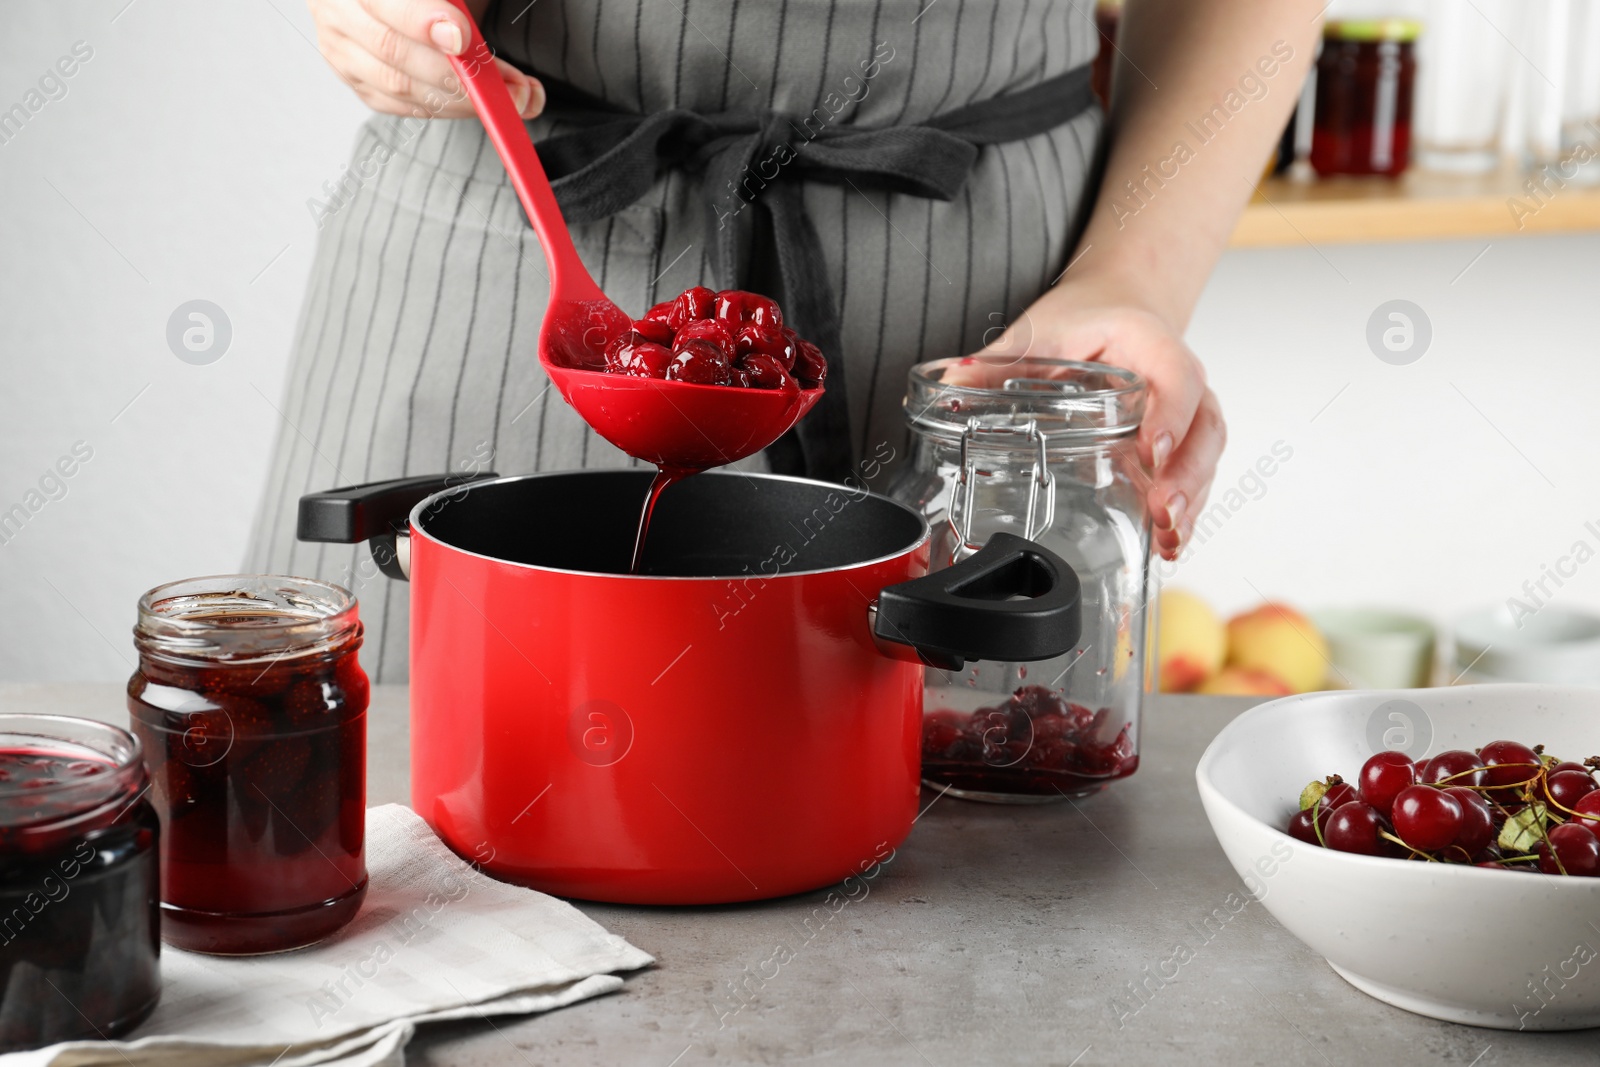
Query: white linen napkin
x=435 y=939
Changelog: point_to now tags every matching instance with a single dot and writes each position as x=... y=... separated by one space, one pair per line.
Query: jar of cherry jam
x=252 y=708
x=1042 y=448
x=1365 y=77
x=80 y=933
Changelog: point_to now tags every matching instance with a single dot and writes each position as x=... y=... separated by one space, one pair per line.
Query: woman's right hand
x=393 y=54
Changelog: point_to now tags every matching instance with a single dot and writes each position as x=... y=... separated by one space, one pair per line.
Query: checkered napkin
x=434 y=940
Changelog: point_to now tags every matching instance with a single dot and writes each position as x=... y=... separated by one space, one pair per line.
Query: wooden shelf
x=1416 y=206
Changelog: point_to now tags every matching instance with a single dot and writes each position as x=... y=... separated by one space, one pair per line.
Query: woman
x=415 y=350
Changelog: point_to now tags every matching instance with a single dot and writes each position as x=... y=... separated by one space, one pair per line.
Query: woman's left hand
x=1182 y=434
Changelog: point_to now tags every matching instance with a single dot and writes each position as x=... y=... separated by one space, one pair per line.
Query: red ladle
x=676 y=425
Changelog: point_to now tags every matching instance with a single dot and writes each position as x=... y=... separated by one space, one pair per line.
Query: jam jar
x=80 y=932
x=1045 y=449
x=252 y=708
x=1365 y=77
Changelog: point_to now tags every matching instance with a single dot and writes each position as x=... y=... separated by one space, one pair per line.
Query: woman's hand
x=1182 y=434
x=393 y=54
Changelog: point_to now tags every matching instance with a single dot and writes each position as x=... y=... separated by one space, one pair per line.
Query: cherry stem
x=1415 y=852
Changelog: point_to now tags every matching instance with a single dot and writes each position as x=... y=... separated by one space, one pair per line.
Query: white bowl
x=1556 y=645
x=1485 y=948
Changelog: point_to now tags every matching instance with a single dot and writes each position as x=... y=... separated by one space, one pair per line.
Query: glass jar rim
x=244 y=618
x=1064 y=399
x=46 y=731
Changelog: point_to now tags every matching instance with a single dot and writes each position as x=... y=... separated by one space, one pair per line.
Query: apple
x=1243 y=682
x=1190 y=641
x=1278 y=640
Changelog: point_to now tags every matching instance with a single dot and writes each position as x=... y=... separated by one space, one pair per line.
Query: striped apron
x=415 y=347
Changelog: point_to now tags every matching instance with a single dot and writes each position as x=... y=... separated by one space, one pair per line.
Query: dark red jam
x=259 y=768
x=79 y=883
x=1365 y=76
x=1036 y=743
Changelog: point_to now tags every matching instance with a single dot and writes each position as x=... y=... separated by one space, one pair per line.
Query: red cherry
x=1383 y=776
x=1426 y=818
x=691 y=305
x=1565 y=788
x=767 y=373
x=1566 y=765
x=1079 y=718
x=1049 y=726
x=1588 y=810
x=1056 y=753
x=661 y=312
x=1511 y=765
x=1477 y=821
x=810 y=365
x=1302 y=826
x=1037 y=701
x=1338 y=795
x=1354 y=828
x=765 y=341
x=1455 y=767
x=1575 y=846
x=655 y=331
x=1106 y=759
x=640 y=360
x=735 y=306
x=617 y=343
x=709 y=331
x=700 y=362
x=942 y=733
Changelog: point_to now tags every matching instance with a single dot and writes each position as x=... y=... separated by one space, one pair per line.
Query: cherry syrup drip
x=665 y=476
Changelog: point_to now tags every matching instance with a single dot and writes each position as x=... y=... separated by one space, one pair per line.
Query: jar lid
x=1389 y=29
x=244 y=618
x=1067 y=401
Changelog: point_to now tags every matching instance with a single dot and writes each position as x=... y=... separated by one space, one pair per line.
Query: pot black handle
x=375 y=512
x=976 y=608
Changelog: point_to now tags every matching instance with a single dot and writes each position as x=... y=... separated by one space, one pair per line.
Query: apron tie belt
x=758 y=159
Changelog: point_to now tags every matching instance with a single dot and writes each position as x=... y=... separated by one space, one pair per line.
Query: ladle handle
x=569 y=279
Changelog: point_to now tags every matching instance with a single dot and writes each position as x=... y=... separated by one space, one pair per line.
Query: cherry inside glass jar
x=251 y=704
x=79 y=891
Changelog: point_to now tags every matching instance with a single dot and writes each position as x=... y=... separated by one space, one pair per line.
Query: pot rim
x=412 y=523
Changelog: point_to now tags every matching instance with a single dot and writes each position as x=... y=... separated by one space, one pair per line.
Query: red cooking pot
x=738 y=721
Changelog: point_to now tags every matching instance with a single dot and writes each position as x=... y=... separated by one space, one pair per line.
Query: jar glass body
x=1364 y=92
x=80 y=932
x=251 y=704
x=1056 y=463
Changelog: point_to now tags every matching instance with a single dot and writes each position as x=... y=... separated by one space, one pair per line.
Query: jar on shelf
x=1365 y=77
x=251 y=704
x=1043 y=448
x=80 y=937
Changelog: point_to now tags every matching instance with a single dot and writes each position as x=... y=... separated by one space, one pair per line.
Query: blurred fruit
x=1278 y=640
x=1243 y=682
x=1191 y=641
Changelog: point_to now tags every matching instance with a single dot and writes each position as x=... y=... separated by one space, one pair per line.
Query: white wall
x=186 y=147
x=183 y=151
x=1435 y=486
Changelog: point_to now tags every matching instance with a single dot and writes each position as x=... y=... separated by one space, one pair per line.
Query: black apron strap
x=751 y=165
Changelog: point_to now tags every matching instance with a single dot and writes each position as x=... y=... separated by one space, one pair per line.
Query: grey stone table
x=995 y=935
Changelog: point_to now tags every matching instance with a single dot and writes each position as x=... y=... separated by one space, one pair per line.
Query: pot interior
x=712 y=525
